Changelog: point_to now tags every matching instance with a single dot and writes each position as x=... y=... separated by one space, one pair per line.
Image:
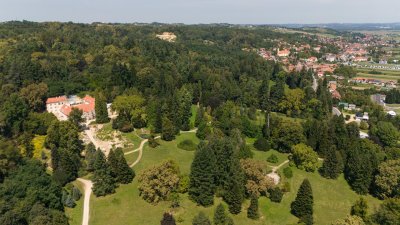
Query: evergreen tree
x=101 y=110
x=201 y=219
x=234 y=191
x=168 y=130
x=362 y=163
x=252 y=211
x=263 y=95
x=75 y=116
x=199 y=116
x=324 y=140
x=203 y=130
x=185 y=106
x=332 y=165
x=67 y=167
x=220 y=217
x=168 y=219
x=360 y=208
x=103 y=182
x=278 y=90
x=302 y=206
x=201 y=186
x=27 y=144
x=119 y=167
x=89 y=156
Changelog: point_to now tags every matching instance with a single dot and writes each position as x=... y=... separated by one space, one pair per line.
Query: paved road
x=336 y=111
x=87 y=185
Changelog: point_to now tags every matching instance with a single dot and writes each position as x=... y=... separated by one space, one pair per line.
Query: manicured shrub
x=363 y=125
x=272 y=159
x=286 y=187
x=69 y=202
x=261 y=144
x=76 y=194
x=153 y=142
x=187 y=145
x=275 y=194
x=288 y=172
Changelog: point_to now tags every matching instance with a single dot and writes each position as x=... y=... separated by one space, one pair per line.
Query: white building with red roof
x=62 y=106
x=283 y=53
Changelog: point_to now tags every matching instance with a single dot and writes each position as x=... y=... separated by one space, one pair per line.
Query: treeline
x=392 y=97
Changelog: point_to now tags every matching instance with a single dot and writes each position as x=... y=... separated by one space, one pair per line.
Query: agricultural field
x=384 y=75
x=333 y=198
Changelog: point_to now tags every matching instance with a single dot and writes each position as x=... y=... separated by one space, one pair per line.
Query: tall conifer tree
x=201 y=186
x=103 y=182
x=302 y=206
x=101 y=110
x=119 y=167
x=332 y=165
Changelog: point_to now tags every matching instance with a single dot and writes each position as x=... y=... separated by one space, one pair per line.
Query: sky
x=203 y=11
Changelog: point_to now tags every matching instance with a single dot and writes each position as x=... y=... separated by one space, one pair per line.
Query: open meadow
x=332 y=198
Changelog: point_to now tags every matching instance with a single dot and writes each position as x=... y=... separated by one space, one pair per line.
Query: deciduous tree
x=304 y=157
x=158 y=182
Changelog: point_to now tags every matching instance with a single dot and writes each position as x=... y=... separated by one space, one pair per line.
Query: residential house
x=283 y=53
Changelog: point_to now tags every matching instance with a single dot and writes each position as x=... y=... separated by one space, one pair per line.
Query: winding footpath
x=140 y=150
x=87 y=185
x=273 y=175
x=275 y=168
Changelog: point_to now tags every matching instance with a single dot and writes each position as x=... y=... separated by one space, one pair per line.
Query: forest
x=153 y=84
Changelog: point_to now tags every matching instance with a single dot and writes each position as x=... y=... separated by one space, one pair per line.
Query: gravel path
x=87 y=185
x=275 y=175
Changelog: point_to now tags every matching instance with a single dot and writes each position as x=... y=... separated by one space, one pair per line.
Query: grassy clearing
x=75 y=215
x=333 y=198
x=260 y=155
x=132 y=138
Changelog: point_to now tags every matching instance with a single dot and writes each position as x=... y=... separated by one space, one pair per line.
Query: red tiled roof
x=87 y=106
x=56 y=99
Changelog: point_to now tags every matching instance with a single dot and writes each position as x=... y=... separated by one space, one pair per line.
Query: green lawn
x=260 y=155
x=378 y=76
x=132 y=138
x=75 y=214
x=333 y=198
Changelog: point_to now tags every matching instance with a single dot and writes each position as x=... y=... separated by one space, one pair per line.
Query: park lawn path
x=140 y=149
x=87 y=185
x=275 y=175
